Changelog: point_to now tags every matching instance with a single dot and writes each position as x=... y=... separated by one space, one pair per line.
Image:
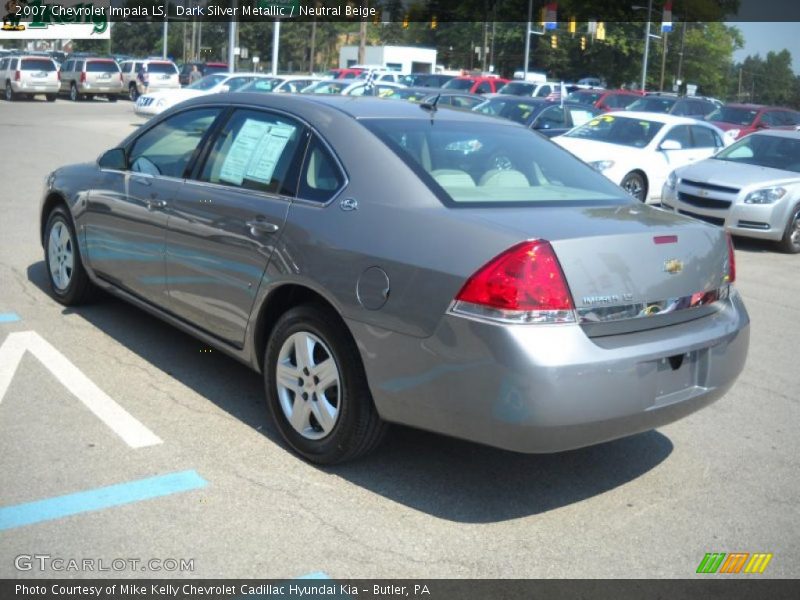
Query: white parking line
x=132 y=431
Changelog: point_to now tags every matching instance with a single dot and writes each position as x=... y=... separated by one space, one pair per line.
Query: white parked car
x=638 y=150
x=142 y=76
x=350 y=87
x=281 y=84
x=26 y=76
x=156 y=102
x=751 y=188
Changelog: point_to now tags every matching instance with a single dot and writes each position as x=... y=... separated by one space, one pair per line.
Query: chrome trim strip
x=639 y=310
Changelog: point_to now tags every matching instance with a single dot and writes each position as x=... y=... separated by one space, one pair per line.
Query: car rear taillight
x=58 y=74
x=17 y=75
x=524 y=284
x=83 y=76
x=730 y=277
x=120 y=78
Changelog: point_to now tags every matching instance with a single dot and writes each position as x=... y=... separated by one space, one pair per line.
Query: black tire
x=133 y=93
x=73 y=93
x=357 y=429
x=80 y=288
x=9 y=93
x=635 y=184
x=790 y=243
x=112 y=97
x=51 y=97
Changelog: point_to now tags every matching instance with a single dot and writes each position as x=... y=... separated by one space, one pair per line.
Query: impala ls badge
x=673 y=266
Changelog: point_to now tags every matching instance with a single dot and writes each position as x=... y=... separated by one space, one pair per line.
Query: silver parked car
x=752 y=188
x=383 y=261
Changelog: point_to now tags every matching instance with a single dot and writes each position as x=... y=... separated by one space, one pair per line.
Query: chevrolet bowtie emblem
x=673 y=266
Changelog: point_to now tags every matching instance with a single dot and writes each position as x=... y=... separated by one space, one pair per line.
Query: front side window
x=126 y=67
x=492 y=164
x=167 y=148
x=680 y=134
x=256 y=151
x=320 y=178
x=614 y=129
x=551 y=118
x=484 y=88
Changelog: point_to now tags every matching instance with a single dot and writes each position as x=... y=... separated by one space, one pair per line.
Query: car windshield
x=775 y=152
x=37 y=64
x=326 y=87
x=458 y=84
x=406 y=94
x=102 y=66
x=612 y=129
x=491 y=164
x=733 y=115
x=517 y=88
x=654 y=104
x=207 y=82
x=262 y=85
x=509 y=108
x=585 y=97
x=162 y=68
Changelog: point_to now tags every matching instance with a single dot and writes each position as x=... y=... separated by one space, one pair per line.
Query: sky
x=760 y=38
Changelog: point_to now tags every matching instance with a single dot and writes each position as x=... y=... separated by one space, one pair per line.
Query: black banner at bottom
x=386 y=589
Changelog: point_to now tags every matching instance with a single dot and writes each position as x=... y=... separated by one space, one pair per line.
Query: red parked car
x=606 y=100
x=741 y=119
x=475 y=84
x=345 y=73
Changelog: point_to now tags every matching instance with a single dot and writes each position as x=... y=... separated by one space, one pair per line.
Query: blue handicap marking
x=9 y=317
x=58 y=507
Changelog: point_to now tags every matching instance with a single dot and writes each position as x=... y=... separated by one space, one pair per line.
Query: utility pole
x=276 y=41
x=232 y=42
x=362 y=42
x=646 y=45
x=680 y=54
x=663 y=61
x=313 y=47
x=739 y=92
x=166 y=28
x=527 y=41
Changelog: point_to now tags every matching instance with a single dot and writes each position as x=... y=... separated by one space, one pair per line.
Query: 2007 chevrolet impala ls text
x=387 y=262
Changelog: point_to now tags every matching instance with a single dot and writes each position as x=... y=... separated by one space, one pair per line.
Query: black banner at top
x=539 y=12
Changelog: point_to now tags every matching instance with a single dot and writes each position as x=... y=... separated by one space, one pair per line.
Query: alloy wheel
x=61 y=255
x=309 y=385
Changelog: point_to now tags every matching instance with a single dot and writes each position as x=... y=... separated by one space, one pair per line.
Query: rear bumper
x=30 y=87
x=541 y=389
x=95 y=88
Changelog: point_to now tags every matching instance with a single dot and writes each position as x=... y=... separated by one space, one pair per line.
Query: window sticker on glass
x=255 y=152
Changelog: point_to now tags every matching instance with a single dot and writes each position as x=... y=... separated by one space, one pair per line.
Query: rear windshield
x=101 y=66
x=518 y=88
x=735 y=116
x=37 y=64
x=491 y=164
x=508 y=108
x=659 y=105
x=585 y=97
x=162 y=68
x=210 y=69
x=775 y=152
x=458 y=84
x=614 y=129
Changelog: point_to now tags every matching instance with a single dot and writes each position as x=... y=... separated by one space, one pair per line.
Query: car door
x=667 y=160
x=705 y=141
x=228 y=217
x=127 y=210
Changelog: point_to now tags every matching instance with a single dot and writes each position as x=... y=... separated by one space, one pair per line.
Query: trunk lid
x=38 y=71
x=629 y=261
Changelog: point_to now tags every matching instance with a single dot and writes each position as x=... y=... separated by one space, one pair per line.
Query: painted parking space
x=9 y=317
x=101 y=498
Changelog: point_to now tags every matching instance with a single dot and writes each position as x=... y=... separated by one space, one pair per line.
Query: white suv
x=141 y=76
x=26 y=76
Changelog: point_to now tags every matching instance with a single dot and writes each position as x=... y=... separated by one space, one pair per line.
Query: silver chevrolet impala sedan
x=387 y=262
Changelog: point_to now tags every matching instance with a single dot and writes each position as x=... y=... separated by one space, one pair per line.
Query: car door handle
x=259 y=226
x=154 y=204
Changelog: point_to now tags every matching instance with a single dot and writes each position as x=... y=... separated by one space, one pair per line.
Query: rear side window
x=3 y=64
x=484 y=88
x=101 y=66
x=705 y=138
x=37 y=64
x=68 y=66
x=126 y=67
x=320 y=179
x=256 y=151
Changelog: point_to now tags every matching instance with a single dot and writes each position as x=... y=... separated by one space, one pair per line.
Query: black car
x=697 y=108
x=428 y=80
x=205 y=68
x=547 y=117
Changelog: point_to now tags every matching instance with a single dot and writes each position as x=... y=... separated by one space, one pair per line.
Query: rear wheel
x=51 y=97
x=635 y=185
x=133 y=93
x=68 y=279
x=316 y=387
x=10 y=95
x=73 y=93
x=790 y=242
x=112 y=98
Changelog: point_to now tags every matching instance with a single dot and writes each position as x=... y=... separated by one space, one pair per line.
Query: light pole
x=646 y=44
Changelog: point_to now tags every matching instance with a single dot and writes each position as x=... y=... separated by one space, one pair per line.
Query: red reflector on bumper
x=666 y=239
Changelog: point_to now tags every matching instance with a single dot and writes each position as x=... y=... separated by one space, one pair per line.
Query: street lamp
x=646 y=41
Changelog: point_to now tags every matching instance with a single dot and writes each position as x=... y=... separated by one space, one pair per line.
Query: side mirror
x=224 y=88
x=670 y=145
x=113 y=159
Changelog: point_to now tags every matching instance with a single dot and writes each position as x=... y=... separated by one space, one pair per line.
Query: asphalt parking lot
x=203 y=477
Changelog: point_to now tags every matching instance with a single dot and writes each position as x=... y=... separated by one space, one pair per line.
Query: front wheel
x=133 y=93
x=635 y=185
x=68 y=279
x=790 y=243
x=316 y=387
